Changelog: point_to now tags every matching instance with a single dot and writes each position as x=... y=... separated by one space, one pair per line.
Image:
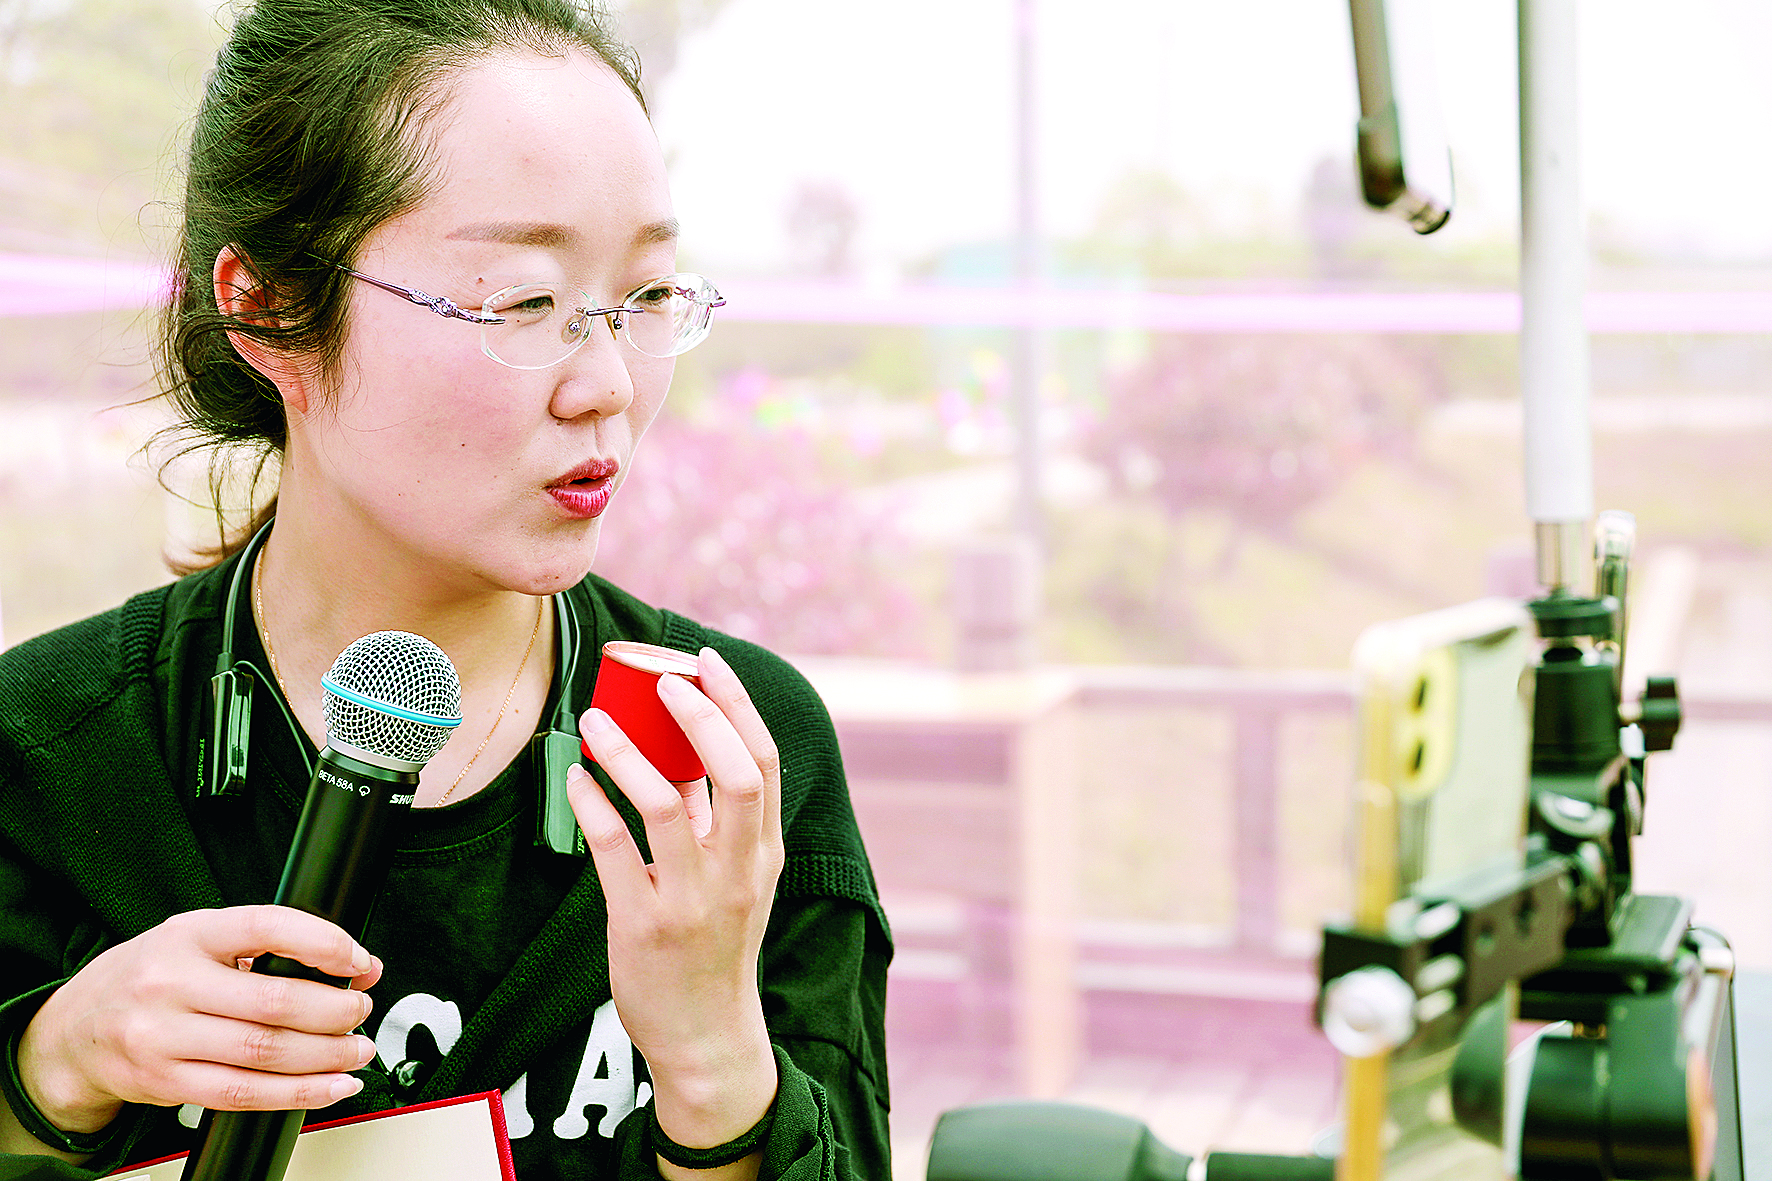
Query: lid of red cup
x=650 y=658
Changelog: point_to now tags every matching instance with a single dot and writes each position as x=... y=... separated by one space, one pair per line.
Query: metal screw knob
x=1368 y=1011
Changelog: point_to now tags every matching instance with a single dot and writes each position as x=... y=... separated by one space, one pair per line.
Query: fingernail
x=714 y=658
x=575 y=773
x=361 y=960
x=365 y=1052
x=344 y=1088
x=595 y=720
x=671 y=686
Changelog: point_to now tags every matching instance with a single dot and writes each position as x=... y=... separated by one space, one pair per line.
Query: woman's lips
x=583 y=499
x=584 y=491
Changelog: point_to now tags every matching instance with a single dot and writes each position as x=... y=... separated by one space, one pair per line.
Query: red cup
x=627 y=690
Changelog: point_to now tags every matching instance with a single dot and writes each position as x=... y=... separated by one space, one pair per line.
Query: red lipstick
x=584 y=491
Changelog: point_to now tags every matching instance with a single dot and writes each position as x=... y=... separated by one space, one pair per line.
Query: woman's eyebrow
x=517 y=233
x=552 y=234
x=657 y=232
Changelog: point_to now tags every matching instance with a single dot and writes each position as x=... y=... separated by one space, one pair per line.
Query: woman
x=700 y=996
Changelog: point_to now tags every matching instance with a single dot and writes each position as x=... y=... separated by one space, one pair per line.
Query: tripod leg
x=1727 y=1082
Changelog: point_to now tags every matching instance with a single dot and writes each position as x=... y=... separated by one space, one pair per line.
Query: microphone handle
x=337 y=864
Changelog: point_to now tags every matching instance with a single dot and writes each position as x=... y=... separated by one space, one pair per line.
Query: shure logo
x=399 y=799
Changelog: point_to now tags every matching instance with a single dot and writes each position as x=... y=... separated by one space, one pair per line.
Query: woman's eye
x=532 y=307
x=653 y=295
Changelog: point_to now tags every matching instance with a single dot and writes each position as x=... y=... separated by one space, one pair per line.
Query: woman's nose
x=595 y=378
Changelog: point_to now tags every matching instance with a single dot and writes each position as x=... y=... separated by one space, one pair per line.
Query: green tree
x=98 y=95
x=1253 y=431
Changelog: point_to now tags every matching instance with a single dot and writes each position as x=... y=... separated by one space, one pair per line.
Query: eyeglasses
x=535 y=325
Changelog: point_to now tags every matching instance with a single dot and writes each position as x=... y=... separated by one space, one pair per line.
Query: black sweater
x=504 y=985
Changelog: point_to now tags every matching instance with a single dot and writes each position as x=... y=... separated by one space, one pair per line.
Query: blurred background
x=1088 y=662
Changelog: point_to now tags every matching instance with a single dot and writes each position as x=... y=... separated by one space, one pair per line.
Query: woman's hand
x=685 y=931
x=170 y=1018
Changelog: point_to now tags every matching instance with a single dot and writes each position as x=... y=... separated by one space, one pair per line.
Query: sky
x=908 y=108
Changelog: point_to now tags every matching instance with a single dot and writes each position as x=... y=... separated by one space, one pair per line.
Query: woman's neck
x=312 y=598
x=325 y=597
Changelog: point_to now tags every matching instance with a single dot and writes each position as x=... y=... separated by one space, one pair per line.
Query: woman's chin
x=557 y=566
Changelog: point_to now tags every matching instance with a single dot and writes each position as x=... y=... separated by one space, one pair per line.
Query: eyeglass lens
x=545 y=323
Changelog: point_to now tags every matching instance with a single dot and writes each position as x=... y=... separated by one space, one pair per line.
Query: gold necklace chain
x=264 y=630
x=258 y=603
x=509 y=693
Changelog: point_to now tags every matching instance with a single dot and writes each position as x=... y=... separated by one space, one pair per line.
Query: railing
x=1257 y=702
x=973 y=794
x=39 y=284
x=972 y=790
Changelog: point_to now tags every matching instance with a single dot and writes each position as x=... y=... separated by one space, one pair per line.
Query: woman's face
x=545 y=170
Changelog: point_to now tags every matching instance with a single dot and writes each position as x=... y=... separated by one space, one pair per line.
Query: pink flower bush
x=743 y=529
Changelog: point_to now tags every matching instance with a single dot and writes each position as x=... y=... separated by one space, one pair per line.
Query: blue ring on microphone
x=382 y=707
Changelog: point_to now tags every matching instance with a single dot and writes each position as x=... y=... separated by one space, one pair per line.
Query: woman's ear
x=239 y=294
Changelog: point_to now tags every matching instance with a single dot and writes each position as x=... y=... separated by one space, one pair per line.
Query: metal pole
x=1553 y=286
x=1255 y=782
x=1028 y=351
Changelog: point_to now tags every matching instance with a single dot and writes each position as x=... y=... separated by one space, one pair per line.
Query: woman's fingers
x=738 y=781
x=750 y=788
x=723 y=687
x=684 y=932
x=245 y=932
x=268 y=1048
x=168 y=1018
x=229 y=1088
x=370 y=978
x=738 y=815
x=612 y=847
x=302 y=1006
x=661 y=806
x=700 y=804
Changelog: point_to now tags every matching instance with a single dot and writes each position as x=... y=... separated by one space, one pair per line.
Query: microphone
x=392 y=699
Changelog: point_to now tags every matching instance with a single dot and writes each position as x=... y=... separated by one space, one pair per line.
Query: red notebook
x=459 y=1139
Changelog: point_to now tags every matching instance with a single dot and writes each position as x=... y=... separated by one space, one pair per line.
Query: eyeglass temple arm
x=443 y=307
x=719 y=301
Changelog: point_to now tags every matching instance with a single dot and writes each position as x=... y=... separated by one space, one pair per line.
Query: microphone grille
x=392 y=694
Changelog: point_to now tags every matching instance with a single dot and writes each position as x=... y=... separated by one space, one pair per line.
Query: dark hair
x=310 y=135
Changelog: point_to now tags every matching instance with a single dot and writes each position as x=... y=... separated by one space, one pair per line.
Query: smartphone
x=1405 y=164
x=1445 y=731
